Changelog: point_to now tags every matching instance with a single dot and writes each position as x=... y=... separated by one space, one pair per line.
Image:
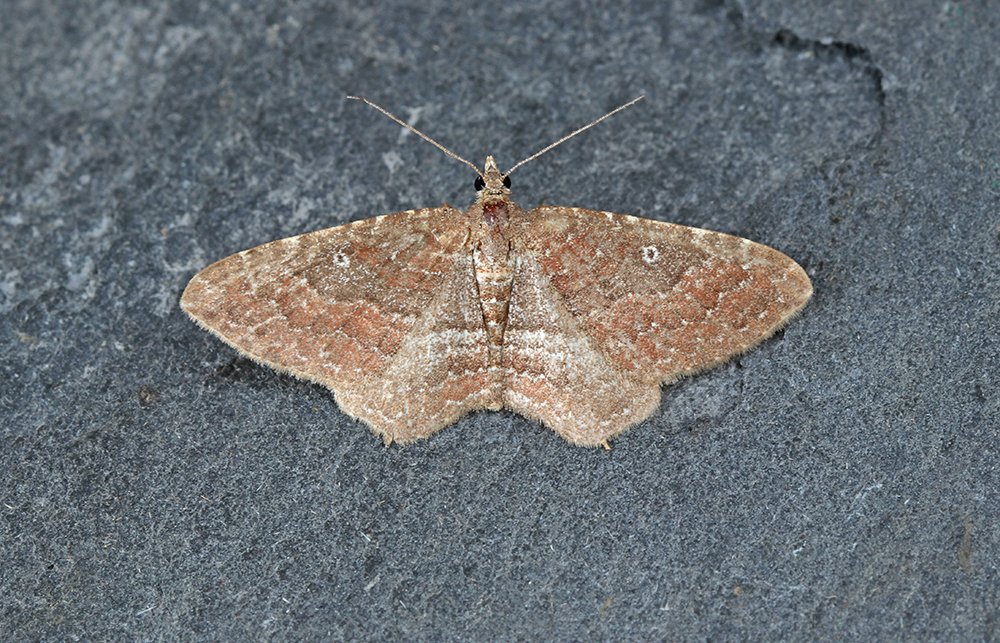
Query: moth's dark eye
x=506 y=182
x=480 y=183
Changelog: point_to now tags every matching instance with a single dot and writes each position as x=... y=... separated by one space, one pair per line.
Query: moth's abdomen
x=494 y=280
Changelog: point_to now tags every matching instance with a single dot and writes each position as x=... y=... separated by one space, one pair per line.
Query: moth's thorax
x=495 y=213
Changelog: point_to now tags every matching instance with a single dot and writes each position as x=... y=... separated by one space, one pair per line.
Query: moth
x=568 y=316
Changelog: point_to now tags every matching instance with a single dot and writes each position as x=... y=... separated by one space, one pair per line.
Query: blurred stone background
x=838 y=482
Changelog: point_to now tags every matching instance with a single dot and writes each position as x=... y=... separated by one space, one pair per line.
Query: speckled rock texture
x=840 y=481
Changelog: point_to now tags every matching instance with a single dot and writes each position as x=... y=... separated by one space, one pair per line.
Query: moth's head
x=491 y=185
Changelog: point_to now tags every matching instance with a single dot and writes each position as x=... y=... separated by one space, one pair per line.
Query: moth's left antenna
x=413 y=129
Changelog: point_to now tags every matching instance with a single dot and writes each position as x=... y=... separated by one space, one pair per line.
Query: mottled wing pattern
x=654 y=300
x=341 y=306
x=439 y=373
x=557 y=374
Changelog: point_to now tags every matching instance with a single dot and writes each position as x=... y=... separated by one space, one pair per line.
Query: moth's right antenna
x=421 y=134
x=574 y=133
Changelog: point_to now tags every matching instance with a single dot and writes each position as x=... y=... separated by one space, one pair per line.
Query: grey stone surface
x=840 y=481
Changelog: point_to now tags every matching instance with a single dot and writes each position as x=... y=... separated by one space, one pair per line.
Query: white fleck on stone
x=650 y=254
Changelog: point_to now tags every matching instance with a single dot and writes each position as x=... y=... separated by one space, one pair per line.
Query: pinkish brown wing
x=555 y=373
x=636 y=303
x=663 y=300
x=339 y=306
